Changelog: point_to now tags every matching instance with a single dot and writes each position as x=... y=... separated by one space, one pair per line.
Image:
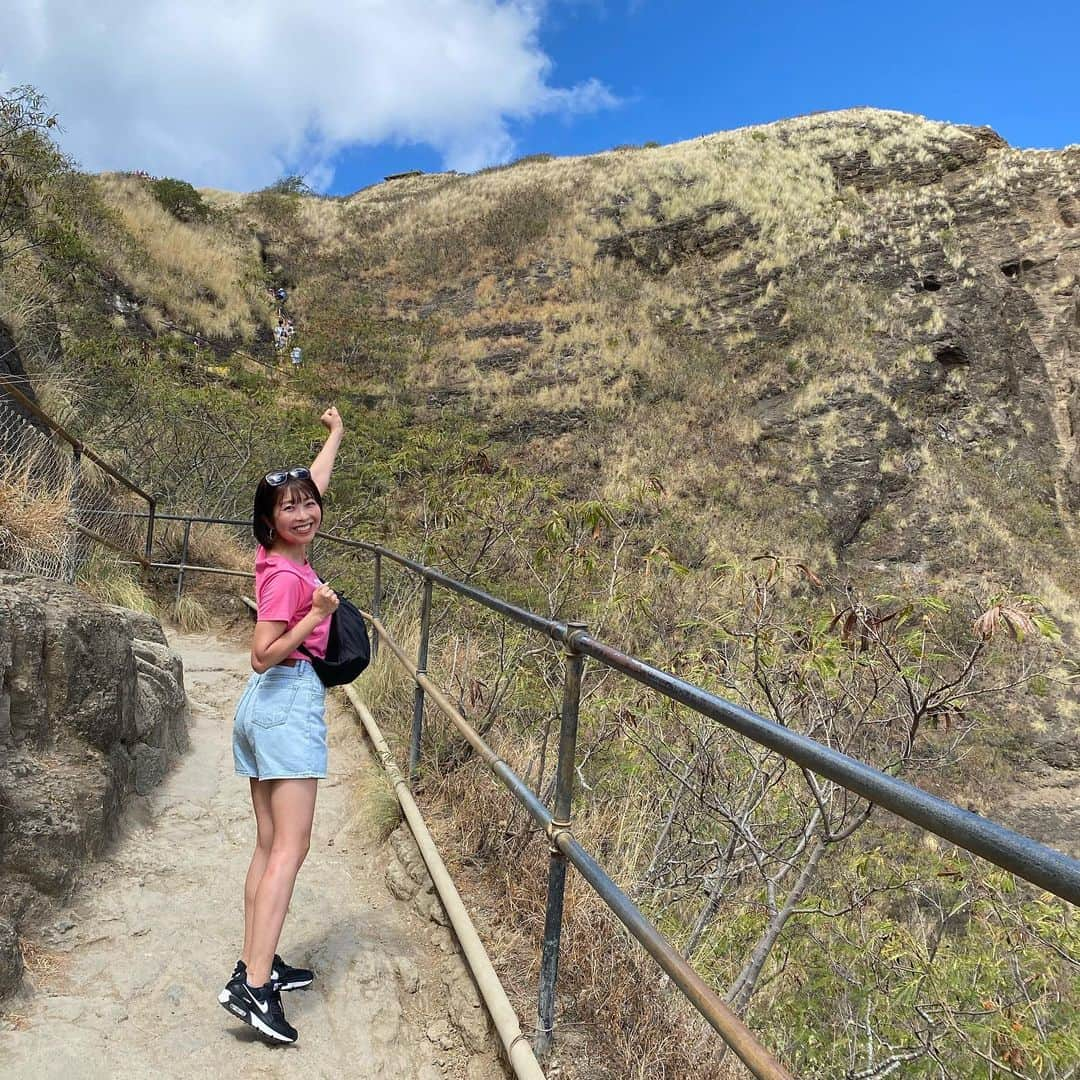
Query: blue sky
x=238 y=95
x=683 y=68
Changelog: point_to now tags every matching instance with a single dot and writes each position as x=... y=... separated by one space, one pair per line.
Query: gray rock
x=400 y=882
x=441 y=1034
x=408 y=974
x=92 y=709
x=429 y=906
x=151 y=764
x=467 y=1013
x=401 y=840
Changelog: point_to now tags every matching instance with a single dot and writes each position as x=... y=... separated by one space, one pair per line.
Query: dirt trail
x=124 y=981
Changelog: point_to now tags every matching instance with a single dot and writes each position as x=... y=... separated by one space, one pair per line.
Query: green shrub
x=289 y=185
x=180 y=199
x=279 y=204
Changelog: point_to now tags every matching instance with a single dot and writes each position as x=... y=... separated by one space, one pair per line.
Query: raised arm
x=323 y=465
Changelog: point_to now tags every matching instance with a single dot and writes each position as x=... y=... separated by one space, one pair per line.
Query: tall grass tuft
x=190 y=615
x=107 y=580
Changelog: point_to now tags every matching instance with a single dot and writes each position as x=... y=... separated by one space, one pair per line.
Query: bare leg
x=292 y=807
x=264 y=840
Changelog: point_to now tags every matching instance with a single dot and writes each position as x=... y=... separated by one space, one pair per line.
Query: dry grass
x=24 y=298
x=380 y=808
x=34 y=503
x=42 y=964
x=190 y=615
x=198 y=275
x=222 y=546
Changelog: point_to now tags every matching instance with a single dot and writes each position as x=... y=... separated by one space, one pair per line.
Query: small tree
x=180 y=199
x=895 y=684
x=29 y=162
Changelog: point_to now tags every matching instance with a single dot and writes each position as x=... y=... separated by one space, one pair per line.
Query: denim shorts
x=279 y=732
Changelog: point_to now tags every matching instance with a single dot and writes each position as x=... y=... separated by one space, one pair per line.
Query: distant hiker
x=279 y=334
x=297 y=356
x=279 y=732
x=282 y=295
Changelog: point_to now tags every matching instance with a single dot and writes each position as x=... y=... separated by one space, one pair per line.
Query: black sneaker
x=281 y=974
x=259 y=1006
x=290 y=978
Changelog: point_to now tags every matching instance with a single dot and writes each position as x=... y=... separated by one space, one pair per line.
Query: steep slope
x=853 y=330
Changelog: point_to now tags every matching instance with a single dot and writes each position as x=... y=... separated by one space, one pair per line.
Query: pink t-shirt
x=283 y=591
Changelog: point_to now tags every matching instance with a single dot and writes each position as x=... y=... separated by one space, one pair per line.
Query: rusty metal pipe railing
x=183 y=560
x=1028 y=859
x=134 y=557
x=715 y=1011
x=188 y=568
x=550 y=627
x=574 y=664
x=76 y=444
x=1034 y=862
x=417 y=733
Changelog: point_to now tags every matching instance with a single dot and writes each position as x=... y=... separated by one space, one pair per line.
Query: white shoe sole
x=228 y=1002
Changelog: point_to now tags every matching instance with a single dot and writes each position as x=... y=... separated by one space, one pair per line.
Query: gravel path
x=123 y=982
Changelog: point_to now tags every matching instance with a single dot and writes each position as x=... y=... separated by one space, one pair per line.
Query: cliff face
x=855 y=333
x=92 y=710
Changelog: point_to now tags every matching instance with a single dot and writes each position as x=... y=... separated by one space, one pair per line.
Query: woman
x=279 y=734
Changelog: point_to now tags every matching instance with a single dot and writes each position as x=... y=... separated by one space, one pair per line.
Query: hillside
x=607 y=387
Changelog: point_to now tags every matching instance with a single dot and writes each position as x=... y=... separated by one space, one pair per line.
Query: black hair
x=266 y=502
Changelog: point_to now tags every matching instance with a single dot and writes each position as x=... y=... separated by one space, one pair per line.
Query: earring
x=271 y=534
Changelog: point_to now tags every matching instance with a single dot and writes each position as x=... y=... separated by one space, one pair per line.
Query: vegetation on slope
x=605 y=387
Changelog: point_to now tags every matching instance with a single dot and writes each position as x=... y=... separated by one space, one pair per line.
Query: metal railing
x=1028 y=859
x=72 y=498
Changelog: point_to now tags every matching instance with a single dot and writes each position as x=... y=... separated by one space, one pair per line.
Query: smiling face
x=297 y=516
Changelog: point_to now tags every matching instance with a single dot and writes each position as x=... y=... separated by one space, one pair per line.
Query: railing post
x=376 y=602
x=71 y=562
x=418 y=694
x=183 y=560
x=564 y=793
x=152 y=506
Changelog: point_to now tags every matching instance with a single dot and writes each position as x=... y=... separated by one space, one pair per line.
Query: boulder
x=92 y=710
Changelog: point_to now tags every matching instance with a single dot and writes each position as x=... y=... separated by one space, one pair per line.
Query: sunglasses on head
x=282 y=476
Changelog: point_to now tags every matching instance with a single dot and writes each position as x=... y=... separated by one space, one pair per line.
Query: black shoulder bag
x=348 y=650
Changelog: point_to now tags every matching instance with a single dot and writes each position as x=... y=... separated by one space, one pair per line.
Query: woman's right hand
x=331 y=420
x=324 y=601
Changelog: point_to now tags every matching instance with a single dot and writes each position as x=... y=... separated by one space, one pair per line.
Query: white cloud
x=235 y=93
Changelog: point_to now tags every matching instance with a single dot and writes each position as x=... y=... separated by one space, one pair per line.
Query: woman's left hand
x=331 y=420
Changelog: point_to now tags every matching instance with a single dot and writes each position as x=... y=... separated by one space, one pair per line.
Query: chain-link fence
x=58 y=499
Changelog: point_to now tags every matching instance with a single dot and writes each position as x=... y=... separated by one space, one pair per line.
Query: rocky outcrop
x=92 y=710
x=656 y=248
x=466 y=1022
x=13 y=371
